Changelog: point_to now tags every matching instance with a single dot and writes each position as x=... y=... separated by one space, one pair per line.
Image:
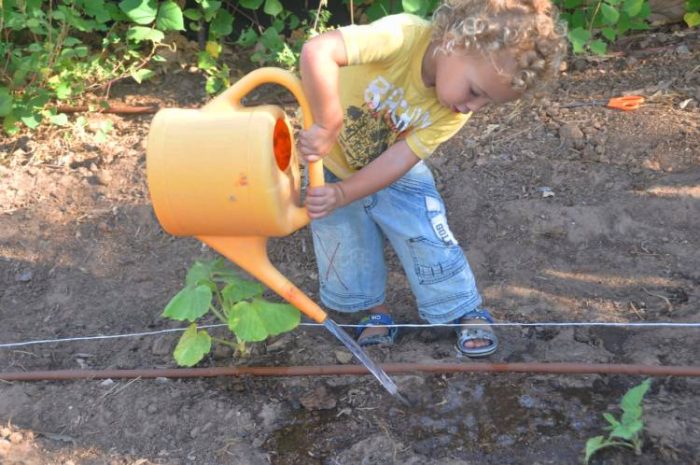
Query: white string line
x=405 y=325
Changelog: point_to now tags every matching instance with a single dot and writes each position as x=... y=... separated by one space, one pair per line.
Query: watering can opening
x=282 y=144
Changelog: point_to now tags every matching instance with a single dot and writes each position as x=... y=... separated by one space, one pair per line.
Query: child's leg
x=349 y=251
x=411 y=214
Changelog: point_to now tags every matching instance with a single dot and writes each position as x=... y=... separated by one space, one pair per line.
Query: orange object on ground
x=228 y=175
x=625 y=103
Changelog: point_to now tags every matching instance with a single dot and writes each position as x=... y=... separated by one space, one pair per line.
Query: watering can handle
x=270 y=75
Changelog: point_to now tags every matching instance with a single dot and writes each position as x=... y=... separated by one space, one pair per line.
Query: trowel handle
x=270 y=75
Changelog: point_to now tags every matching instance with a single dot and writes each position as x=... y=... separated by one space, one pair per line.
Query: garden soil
x=566 y=214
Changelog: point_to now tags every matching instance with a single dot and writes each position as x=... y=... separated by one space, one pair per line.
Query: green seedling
x=625 y=432
x=212 y=286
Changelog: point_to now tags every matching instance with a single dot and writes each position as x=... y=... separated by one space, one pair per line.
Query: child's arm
x=396 y=161
x=321 y=57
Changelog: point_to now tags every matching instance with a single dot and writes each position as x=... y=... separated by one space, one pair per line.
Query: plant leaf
x=192 y=346
x=692 y=19
x=623 y=25
x=140 y=11
x=278 y=318
x=609 y=33
x=593 y=445
x=578 y=37
x=222 y=24
x=5 y=102
x=251 y=4
x=170 y=17
x=633 y=7
x=191 y=13
x=9 y=124
x=32 y=121
x=60 y=119
x=610 y=14
x=140 y=75
x=412 y=6
x=255 y=321
x=599 y=47
x=273 y=7
x=628 y=431
x=63 y=90
x=241 y=289
x=210 y=8
x=189 y=304
x=611 y=419
x=200 y=273
x=141 y=33
x=632 y=400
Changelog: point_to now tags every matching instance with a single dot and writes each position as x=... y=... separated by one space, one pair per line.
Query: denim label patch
x=439 y=221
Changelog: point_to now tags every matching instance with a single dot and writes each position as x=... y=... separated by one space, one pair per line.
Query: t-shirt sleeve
x=381 y=40
x=424 y=141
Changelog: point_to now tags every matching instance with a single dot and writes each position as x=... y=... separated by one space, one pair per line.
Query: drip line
x=660 y=324
x=356 y=370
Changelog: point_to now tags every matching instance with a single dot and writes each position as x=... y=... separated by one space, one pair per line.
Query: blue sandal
x=470 y=333
x=376 y=319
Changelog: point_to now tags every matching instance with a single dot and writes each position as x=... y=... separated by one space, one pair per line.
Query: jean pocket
x=434 y=262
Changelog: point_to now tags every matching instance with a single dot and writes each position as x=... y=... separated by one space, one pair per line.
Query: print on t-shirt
x=384 y=118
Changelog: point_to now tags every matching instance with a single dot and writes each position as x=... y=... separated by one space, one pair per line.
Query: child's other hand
x=316 y=142
x=321 y=201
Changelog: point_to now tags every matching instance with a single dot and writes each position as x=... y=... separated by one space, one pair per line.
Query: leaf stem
x=595 y=13
x=218 y=314
x=218 y=340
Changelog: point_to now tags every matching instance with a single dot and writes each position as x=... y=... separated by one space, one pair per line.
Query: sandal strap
x=476 y=314
x=477 y=333
x=375 y=319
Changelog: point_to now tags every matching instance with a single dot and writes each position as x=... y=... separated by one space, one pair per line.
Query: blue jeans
x=349 y=246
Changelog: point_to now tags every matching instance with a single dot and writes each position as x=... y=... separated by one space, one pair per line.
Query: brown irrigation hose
x=325 y=370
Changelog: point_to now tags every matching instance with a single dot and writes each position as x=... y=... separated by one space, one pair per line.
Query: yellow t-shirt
x=383 y=95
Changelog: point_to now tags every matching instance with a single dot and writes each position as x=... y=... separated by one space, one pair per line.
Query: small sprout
x=625 y=432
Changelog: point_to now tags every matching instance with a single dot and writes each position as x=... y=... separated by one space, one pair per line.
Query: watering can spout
x=250 y=253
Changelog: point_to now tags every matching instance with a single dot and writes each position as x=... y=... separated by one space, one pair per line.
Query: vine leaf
x=189 y=304
x=255 y=321
x=192 y=346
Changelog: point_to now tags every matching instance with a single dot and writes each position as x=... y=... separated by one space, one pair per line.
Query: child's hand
x=321 y=201
x=316 y=142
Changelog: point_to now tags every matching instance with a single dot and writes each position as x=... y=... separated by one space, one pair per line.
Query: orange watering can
x=228 y=175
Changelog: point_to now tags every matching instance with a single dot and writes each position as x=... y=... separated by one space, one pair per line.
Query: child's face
x=467 y=82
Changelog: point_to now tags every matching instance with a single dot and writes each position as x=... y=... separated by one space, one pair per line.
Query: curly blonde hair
x=530 y=29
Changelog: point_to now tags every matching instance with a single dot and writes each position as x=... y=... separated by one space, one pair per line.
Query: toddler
x=384 y=96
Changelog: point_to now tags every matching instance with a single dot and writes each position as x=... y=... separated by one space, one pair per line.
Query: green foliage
x=626 y=431
x=594 y=24
x=692 y=15
x=371 y=10
x=57 y=50
x=280 y=43
x=213 y=287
